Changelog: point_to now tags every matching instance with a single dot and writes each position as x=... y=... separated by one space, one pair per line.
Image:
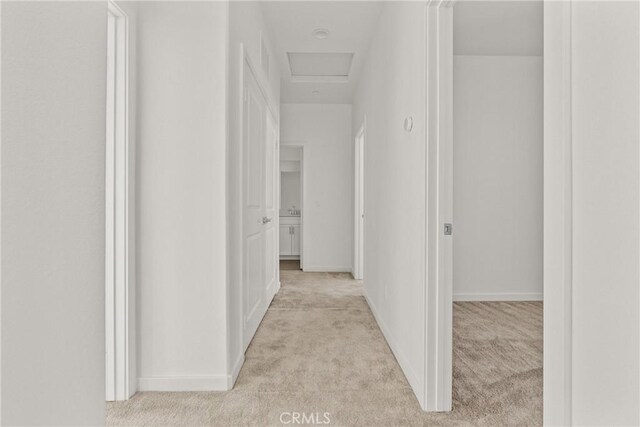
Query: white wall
x=289 y=190
x=246 y=25
x=592 y=197
x=325 y=131
x=182 y=65
x=392 y=87
x=290 y=154
x=605 y=122
x=53 y=159
x=509 y=28
x=497 y=195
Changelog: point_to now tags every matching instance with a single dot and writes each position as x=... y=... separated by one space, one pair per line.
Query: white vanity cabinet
x=295 y=240
x=290 y=236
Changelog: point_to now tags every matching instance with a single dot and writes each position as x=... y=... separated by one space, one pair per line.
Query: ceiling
x=480 y=28
x=291 y=24
x=498 y=28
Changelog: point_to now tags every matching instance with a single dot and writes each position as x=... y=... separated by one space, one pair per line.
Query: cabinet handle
x=290 y=230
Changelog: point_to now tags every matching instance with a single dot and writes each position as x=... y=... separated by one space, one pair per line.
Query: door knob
x=265 y=220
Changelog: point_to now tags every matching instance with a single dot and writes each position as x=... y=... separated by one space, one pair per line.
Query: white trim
x=195 y=382
x=558 y=215
x=289 y=258
x=497 y=296
x=438 y=301
x=110 y=359
x=235 y=370
x=358 y=199
x=185 y=383
x=117 y=287
x=320 y=269
x=0 y=222
x=412 y=376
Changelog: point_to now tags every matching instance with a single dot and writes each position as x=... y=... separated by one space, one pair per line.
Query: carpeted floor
x=320 y=350
x=289 y=264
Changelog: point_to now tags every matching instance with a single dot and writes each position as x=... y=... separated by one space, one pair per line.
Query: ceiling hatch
x=320 y=67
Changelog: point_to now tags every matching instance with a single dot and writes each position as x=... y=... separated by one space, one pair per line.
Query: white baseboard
x=409 y=373
x=235 y=371
x=187 y=383
x=497 y=296
x=320 y=269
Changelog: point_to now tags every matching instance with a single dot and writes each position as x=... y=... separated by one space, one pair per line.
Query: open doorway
x=486 y=158
x=291 y=206
x=350 y=335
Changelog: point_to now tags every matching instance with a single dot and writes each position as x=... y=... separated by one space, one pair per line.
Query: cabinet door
x=295 y=241
x=285 y=240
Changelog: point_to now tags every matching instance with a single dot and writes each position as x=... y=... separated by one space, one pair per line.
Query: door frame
x=557 y=202
x=257 y=72
x=300 y=145
x=119 y=323
x=558 y=215
x=359 y=180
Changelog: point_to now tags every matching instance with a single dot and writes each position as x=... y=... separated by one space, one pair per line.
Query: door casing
x=119 y=327
x=359 y=180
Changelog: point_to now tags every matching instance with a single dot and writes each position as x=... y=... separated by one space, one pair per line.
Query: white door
x=260 y=237
x=295 y=240
x=272 y=170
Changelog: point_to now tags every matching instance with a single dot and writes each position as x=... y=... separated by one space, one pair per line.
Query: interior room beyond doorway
x=291 y=197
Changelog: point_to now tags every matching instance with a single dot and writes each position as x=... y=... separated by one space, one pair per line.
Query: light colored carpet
x=319 y=349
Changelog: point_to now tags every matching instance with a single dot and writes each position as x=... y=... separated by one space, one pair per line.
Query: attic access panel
x=317 y=66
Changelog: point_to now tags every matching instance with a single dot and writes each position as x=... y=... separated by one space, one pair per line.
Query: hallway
x=319 y=350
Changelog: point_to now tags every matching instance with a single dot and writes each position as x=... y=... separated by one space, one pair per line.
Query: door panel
x=272 y=170
x=260 y=157
x=254 y=279
x=271 y=255
x=253 y=154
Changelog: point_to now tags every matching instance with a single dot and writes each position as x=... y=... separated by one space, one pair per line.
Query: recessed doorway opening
x=291 y=206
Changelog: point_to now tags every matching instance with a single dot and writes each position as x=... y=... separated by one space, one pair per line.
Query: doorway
x=485 y=139
x=291 y=214
x=358 y=240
